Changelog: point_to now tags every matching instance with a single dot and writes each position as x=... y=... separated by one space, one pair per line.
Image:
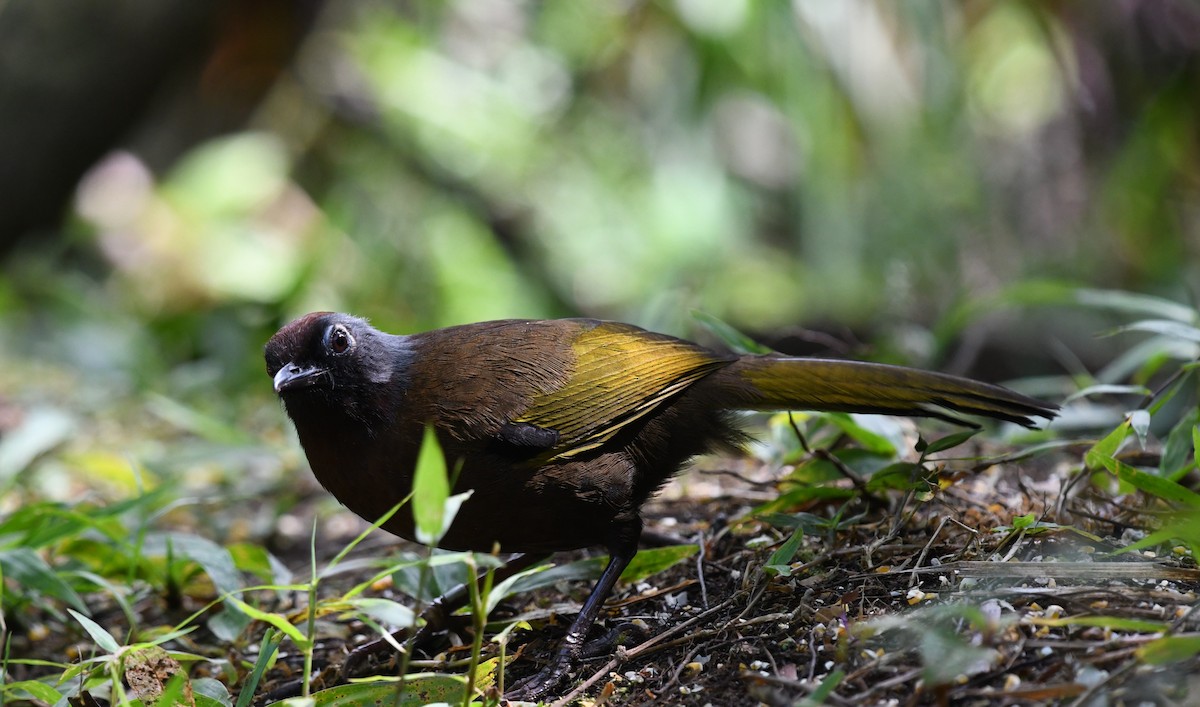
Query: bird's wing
x=621 y=373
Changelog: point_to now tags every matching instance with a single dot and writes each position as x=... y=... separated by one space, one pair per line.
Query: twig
x=838 y=464
x=812 y=652
x=639 y=598
x=641 y=649
x=1178 y=623
x=883 y=685
x=925 y=550
x=1065 y=494
x=898 y=522
x=682 y=665
x=760 y=588
x=739 y=476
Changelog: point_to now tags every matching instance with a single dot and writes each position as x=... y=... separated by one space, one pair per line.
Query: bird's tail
x=781 y=383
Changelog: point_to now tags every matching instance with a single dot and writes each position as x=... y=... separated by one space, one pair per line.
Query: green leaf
x=949 y=441
x=102 y=638
x=43 y=524
x=505 y=588
x=901 y=475
x=1107 y=448
x=1161 y=327
x=228 y=623
x=255 y=559
x=801 y=494
x=644 y=564
x=203 y=700
x=824 y=690
x=1179 y=446
x=419 y=690
x=1031 y=451
x=1131 y=303
x=217 y=562
x=1141 y=359
x=33 y=688
x=446 y=570
x=1196 y=445
x=276 y=620
x=172 y=692
x=780 y=561
x=1154 y=485
x=1185 y=527
x=266 y=657
x=818 y=469
x=945 y=652
x=728 y=335
x=945 y=655
x=1169 y=649
x=382 y=610
x=28 y=569
x=211 y=690
x=585 y=569
x=431 y=490
x=1107 y=389
x=654 y=560
x=1024 y=521
x=1115 y=623
x=866 y=430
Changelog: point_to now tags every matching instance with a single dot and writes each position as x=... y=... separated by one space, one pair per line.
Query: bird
x=561 y=428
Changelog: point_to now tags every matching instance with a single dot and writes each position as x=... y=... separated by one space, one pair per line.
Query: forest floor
x=1003 y=585
x=975 y=584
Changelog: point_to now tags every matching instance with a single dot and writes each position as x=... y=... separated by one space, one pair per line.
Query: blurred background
x=907 y=181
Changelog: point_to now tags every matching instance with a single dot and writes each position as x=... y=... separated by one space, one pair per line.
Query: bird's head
x=331 y=360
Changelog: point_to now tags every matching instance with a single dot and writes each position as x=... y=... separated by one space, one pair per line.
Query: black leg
x=537 y=686
x=436 y=618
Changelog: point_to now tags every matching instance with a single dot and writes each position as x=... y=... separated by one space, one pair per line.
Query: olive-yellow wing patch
x=621 y=373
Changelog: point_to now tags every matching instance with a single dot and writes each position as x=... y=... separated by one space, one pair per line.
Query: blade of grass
x=271 y=641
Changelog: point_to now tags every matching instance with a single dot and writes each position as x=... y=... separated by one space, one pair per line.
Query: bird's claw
x=540 y=684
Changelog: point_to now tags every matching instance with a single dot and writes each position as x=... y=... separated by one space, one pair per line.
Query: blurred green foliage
x=902 y=169
x=425 y=163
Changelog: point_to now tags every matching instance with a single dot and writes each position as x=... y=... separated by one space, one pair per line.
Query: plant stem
x=311 y=627
x=478 y=619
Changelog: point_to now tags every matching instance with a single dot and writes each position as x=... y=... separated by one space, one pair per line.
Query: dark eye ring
x=340 y=340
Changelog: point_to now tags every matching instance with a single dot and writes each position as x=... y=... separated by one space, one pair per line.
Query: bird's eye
x=340 y=341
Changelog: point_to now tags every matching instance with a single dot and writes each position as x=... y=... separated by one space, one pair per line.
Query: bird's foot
x=542 y=683
x=547 y=680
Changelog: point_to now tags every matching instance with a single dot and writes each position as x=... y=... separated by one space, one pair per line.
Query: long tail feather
x=779 y=383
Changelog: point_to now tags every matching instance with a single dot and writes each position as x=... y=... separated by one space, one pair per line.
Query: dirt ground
x=988 y=586
x=920 y=598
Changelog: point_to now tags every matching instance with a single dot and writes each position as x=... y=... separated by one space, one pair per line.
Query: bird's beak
x=293 y=376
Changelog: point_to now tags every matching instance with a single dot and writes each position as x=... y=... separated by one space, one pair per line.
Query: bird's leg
x=436 y=618
x=536 y=686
